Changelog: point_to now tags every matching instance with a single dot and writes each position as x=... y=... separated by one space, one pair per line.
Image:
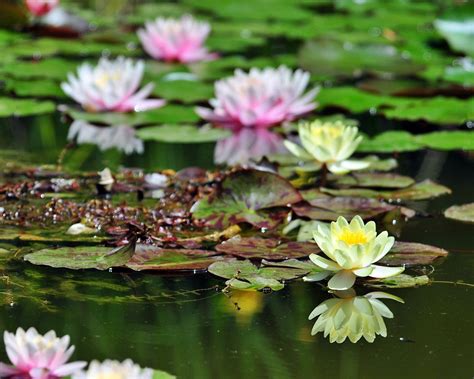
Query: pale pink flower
x=260 y=98
x=251 y=103
x=178 y=40
x=111 y=86
x=40 y=357
x=39 y=8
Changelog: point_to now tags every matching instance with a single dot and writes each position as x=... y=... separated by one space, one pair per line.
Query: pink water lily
x=257 y=100
x=38 y=357
x=40 y=8
x=176 y=40
x=111 y=86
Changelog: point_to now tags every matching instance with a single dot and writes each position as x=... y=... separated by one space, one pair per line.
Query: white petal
x=343 y=280
x=385 y=272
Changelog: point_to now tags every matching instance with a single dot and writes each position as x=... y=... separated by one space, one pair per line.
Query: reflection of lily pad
x=463 y=212
x=333 y=58
x=246 y=196
x=182 y=134
x=265 y=248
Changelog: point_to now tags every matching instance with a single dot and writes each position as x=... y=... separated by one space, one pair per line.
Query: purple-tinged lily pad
x=330 y=208
x=426 y=189
x=246 y=196
x=266 y=248
x=412 y=253
x=154 y=258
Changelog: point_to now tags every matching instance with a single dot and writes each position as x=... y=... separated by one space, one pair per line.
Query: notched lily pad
x=247 y=196
x=463 y=212
x=266 y=248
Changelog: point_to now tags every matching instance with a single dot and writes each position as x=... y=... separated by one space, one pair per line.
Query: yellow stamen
x=333 y=131
x=353 y=238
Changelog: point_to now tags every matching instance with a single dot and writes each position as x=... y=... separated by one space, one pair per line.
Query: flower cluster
x=37 y=356
x=328 y=143
x=352 y=249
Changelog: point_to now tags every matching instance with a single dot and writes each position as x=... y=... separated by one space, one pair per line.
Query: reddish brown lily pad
x=266 y=248
x=412 y=253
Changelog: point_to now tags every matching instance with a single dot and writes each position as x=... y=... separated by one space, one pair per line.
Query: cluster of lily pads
x=37 y=356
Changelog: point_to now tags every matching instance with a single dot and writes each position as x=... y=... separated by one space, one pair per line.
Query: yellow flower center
x=107 y=77
x=353 y=238
x=333 y=131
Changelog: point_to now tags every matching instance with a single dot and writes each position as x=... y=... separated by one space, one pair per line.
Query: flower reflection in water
x=350 y=316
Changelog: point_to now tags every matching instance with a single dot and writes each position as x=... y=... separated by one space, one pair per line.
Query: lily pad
x=463 y=212
x=412 y=253
x=457 y=26
x=187 y=91
x=83 y=257
x=335 y=58
x=37 y=88
x=24 y=107
x=159 y=259
x=382 y=180
x=243 y=274
x=265 y=248
x=426 y=189
x=247 y=196
x=398 y=281
x=182 y=133
x=168 y=114
x=52 y=68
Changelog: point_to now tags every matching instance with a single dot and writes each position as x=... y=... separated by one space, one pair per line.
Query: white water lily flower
x=329 y=143
x=353 y=249
x=353 y=317
x=120 y=137
x=112 y=85
x=110 y=369
x=38 y=357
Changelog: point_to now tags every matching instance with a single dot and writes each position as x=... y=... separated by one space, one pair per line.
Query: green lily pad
x=83 y=257
x=463 y=212
x=373 y=179
x=158 y=374
x=398 y=281
x=399 y=141
x=182 y=133
x=52 y=68
x=426 y=189
x=265 y=248
x=168 y=114
x=187 y=91
x=247 y=196
x=36 y=88
x=334 y=58
x=24 y=107
x=243 y=274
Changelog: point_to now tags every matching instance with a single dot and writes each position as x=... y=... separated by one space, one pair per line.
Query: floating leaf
x=182 y=133
x=246 y=196
x=187 y=91
x=243 y=274
x=426 y=189
x=372 y=179
x=456 y=25
x=330 y=208
x=398 y=281
x=463 y=212
x=24 y=107
x=334 y=58
x=412 y=253
x=52 y=68
x=83 y=257
x=37 y=88
x=265 y=248
x=168 y=114
x=159 y=259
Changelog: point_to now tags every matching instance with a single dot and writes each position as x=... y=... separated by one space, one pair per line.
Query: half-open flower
x=112 y=85
x=257 y=100
x=37 y=356
x=353 y=317
x=329 y=143
x=114 y=369
x=353 y=248
x=179 y=40
x=40 y=8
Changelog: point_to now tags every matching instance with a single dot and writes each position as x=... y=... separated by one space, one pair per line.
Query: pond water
x=183 y=323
